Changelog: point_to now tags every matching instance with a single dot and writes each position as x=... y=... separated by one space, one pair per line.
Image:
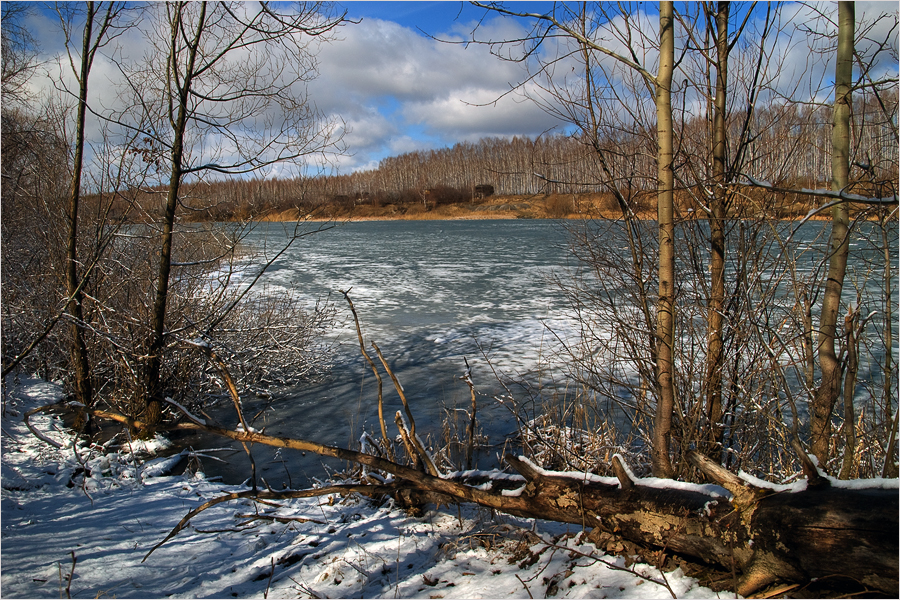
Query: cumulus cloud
x=395 y=89
x=385 y=79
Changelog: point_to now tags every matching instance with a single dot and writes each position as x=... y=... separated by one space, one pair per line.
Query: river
x=429 y=293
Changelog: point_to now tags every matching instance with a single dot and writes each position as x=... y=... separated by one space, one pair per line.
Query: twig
x=276 y=518
x=664 y=583
x=235 y=397
x=226 y=375
x=305 y=588
x=470 y=433
x=81 y=462
x=252 y=465
x=426 y=460
x=37 y=433
x=342 y=489
x=525 y=586
x=271 y=575
x=407 y=442
x=362 y=348
x=71 y=575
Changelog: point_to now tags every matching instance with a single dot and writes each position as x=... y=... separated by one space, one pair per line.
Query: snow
x=654 y=482
x=865 y=484
x=186 y=412
x=796 y=486
x=119 y=507
x=801 y=484
x=514 y=493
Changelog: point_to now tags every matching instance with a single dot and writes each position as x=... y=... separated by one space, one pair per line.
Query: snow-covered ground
x=64 y=533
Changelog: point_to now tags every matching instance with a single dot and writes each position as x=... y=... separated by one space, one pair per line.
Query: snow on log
x=769 y=535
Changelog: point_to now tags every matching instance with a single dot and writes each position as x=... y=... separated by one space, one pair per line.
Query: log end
x=814 y=477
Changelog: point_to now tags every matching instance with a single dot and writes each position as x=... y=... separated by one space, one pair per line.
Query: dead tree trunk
x=765 y=534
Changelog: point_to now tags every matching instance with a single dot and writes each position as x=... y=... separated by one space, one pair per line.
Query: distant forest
x=791 y=147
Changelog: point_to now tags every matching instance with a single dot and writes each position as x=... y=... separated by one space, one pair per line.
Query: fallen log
x=767 y=534
x=816 y=528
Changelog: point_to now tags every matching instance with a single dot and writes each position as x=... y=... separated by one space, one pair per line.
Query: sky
x=400 y=86
x=397 y=82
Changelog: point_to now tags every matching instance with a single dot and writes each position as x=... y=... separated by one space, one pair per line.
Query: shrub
x=559 y=206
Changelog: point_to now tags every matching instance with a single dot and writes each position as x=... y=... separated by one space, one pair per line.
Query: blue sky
x=396 y=84
x=427 y=16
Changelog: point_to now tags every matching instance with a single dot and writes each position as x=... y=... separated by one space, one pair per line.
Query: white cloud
x=472 y=113
x=385 y=79
x=398 y=90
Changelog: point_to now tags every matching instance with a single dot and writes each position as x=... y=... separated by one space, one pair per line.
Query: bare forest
x=790 y=149
x=737 y=354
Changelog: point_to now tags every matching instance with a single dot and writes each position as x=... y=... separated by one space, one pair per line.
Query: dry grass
x=556 y=206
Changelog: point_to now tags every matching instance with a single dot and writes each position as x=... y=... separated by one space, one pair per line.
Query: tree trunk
x=81 y=371
x=716 y=303
x=665 y=318
x=827 y=393
x=851 y=327
x=889 y=423
x=152 y=391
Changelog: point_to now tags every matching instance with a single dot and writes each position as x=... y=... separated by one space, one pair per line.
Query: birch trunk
x=827 y=393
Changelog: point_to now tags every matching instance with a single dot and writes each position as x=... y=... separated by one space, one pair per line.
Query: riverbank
x=498 y=207
x=541 y=206
x=80 y=526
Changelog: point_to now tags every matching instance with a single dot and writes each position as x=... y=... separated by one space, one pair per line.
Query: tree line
x=790 y=147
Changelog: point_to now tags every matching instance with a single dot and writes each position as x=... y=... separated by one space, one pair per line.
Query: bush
x=559 y=206
x=484 y=190
x=444 y=194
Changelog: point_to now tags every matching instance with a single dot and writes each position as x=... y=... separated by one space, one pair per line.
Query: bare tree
x=839 y=244
x=91 y=43
x=203 y=90
x=19 y=52
x=574 y=26
x=716 y=304
x=665 y=312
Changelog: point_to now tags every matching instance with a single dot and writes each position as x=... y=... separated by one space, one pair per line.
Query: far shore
x=556 y=206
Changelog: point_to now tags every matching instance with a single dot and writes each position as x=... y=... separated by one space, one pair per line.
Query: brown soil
x=552 y=206
x=555 y=206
